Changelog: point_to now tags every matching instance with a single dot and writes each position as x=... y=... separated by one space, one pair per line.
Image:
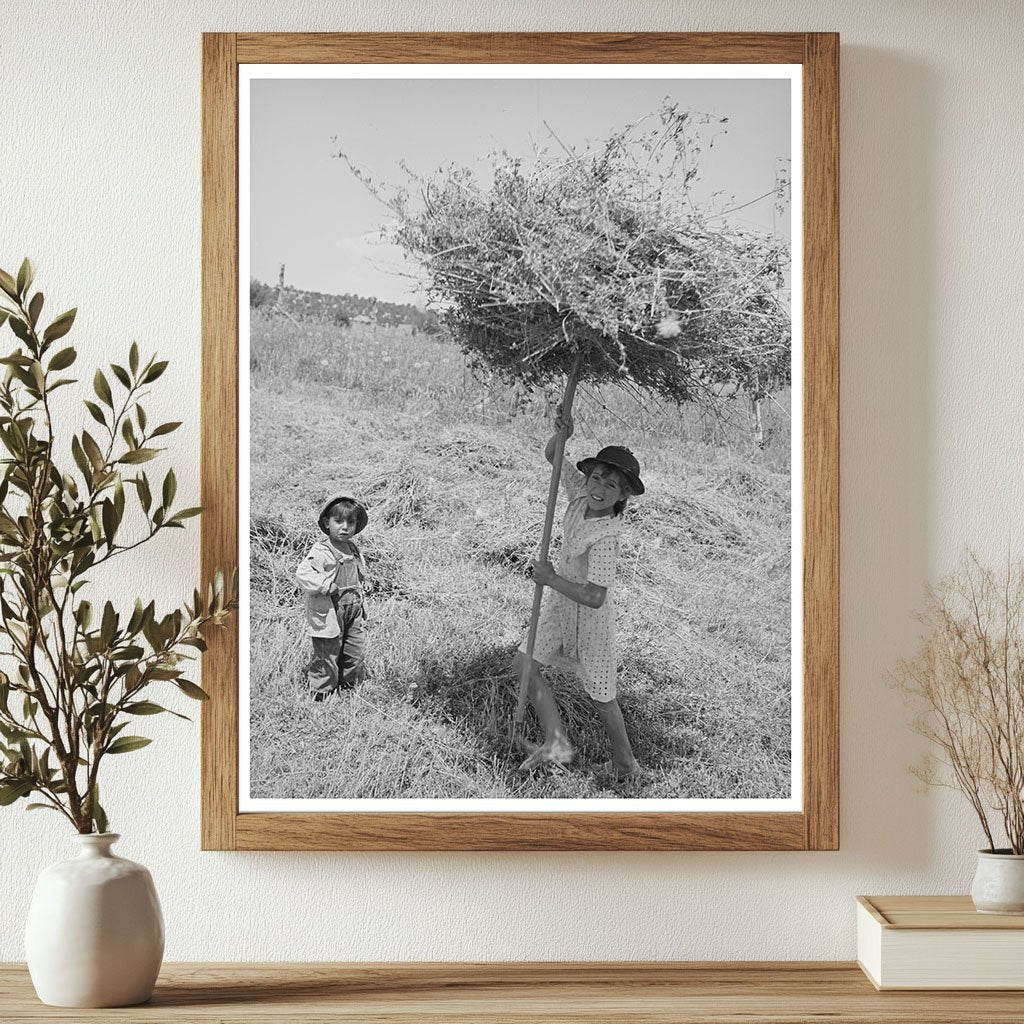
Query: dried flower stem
x=968 y=678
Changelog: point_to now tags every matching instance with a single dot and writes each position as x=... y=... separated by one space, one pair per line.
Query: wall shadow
x=887 y=206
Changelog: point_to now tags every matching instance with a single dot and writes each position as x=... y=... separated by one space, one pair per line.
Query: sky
x=309 y=212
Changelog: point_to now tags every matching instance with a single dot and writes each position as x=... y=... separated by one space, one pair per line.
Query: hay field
x=453 y=473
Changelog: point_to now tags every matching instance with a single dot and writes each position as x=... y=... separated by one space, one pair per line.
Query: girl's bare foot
x=524 y=745
x=557 y=751
x=615 y=774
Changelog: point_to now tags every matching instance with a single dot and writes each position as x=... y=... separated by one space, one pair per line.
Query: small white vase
x=95 y=933
x=999 y=882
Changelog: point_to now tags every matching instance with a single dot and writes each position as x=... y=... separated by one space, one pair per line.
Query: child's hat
x=361 y=516
x=618 y=458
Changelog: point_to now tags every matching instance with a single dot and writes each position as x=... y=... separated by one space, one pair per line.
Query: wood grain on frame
x=817 y=826
x=821 y=441
x=219 y=433
x=517 y=831
x=521 y=48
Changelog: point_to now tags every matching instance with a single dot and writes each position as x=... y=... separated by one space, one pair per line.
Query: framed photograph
x=520 y=420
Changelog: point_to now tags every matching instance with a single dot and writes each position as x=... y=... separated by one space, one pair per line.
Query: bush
x=260 y=294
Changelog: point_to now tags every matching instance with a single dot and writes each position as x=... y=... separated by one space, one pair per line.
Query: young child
x=332 y=577
x=577 y=618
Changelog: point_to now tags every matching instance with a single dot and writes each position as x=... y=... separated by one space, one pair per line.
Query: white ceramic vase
x=999 y=883
x=95 y=933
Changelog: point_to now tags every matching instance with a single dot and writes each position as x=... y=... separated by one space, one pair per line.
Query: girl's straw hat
x=618 y=458
x=361 y=516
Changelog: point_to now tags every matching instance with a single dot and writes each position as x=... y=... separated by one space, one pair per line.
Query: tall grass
x=451 y=468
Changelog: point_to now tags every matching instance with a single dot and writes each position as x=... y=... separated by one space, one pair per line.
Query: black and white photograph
x=520 y=426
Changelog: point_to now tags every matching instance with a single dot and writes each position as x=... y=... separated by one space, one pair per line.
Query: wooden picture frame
x=816 y=825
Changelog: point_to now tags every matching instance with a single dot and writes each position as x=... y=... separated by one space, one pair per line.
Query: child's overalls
x=339 y=662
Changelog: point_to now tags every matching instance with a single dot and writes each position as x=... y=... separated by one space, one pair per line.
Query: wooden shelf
x=647 y=993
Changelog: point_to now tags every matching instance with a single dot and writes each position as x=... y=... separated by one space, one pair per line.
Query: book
x=938 y=942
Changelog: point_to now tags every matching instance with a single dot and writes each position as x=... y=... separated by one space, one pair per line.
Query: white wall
x=100 y=183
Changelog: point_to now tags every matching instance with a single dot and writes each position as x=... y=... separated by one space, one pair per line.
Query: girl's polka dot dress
x=571 y=635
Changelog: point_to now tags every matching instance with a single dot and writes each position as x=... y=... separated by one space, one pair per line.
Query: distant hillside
x=340 y=309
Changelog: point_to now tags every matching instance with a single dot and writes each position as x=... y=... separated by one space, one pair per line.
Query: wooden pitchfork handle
x=545 y=541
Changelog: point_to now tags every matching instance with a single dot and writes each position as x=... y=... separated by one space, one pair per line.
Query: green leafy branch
x=81 y=672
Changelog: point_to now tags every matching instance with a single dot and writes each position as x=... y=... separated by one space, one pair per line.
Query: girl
x=577 y=618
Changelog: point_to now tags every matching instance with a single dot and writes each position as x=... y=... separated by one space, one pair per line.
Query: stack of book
x=938 y=942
